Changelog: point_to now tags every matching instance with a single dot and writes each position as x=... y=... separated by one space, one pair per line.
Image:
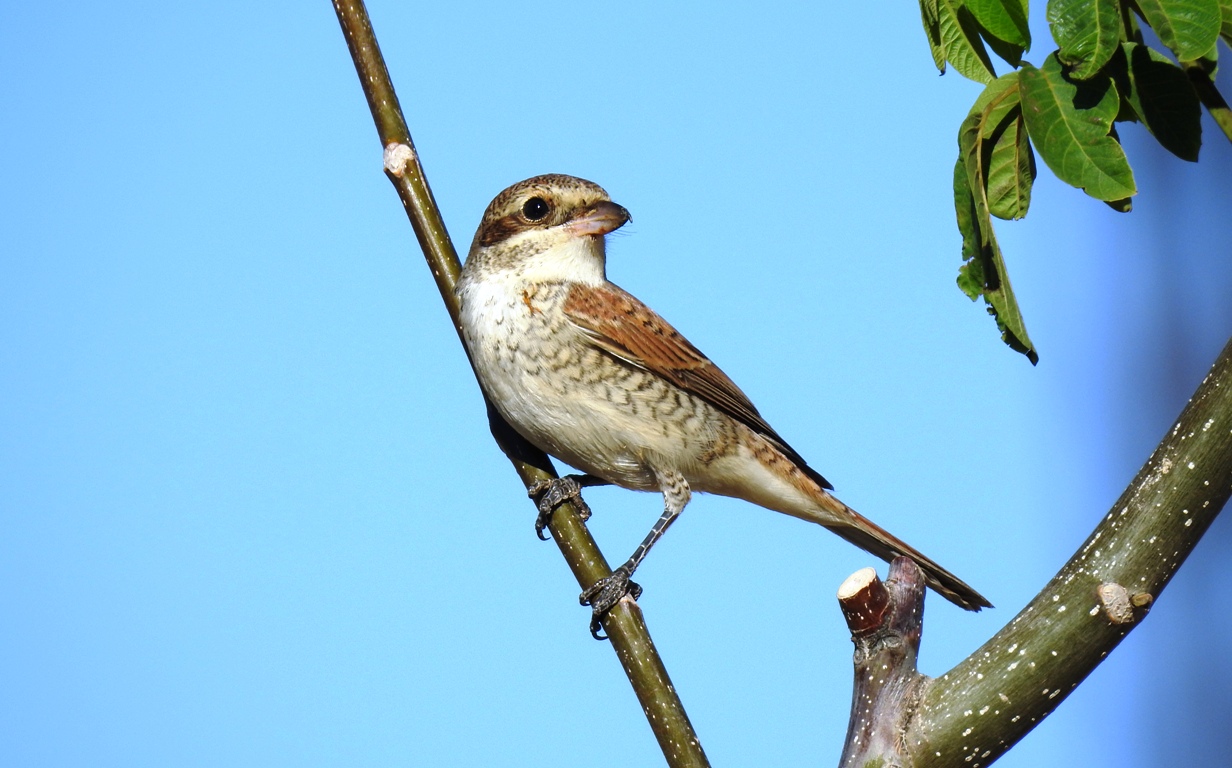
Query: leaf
x=1005 y=25
x=1190 y=28
x=1002 y=94
x=990 y=167
x=960 y=39
x=971 y=273
x=1006 y=19
x=1225 y=28
x=983 y=270
x=1006 y=166
x=932 y=28
x=1010 y=169
x=1008 y=51
x=1087 y=33
x=1163 y=99
x=1069 y=122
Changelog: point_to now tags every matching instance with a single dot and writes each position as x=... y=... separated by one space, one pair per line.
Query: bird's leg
x=552 y=493
x=606 y=592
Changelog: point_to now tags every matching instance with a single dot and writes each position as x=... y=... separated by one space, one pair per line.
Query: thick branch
x=972 y=714
x=624 y=624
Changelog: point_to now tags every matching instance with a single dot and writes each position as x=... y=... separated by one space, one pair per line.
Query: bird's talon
x=603 y=595
x=538 y=487
x=551 y=494
x=541 y=522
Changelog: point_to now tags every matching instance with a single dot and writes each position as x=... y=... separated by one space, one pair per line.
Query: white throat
x=570 y=259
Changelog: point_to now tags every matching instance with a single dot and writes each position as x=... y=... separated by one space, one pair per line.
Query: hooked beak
x=599 y=219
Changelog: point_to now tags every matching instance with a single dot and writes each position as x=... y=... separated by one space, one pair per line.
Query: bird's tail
x=874 y=539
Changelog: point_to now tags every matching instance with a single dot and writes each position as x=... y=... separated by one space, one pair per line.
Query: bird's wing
x=621 y=325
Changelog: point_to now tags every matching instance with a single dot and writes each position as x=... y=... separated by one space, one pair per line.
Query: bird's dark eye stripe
x=536 y=209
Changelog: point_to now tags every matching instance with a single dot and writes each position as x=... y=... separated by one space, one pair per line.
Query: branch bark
x=979 y=709
x=624 y=624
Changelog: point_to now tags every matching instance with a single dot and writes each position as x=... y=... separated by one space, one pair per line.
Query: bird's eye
x=536 y=209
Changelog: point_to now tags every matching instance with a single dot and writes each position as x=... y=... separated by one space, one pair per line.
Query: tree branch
x=972 y=714
x=624 y=624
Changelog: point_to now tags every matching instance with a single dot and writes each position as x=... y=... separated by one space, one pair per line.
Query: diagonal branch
x=624 y=624
x=979 y=709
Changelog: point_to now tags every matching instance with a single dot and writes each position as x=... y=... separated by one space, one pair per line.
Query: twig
x=624 y=624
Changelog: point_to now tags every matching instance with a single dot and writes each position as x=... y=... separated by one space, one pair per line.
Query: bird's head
x=549 y=227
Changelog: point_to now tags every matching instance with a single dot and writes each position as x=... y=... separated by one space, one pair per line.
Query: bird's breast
x=572 y=399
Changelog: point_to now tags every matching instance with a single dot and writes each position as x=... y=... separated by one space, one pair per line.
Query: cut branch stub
x=864 y=599
x=885 y=621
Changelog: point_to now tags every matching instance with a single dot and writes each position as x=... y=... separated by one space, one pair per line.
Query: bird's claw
x=551 y=494
x=603 y=595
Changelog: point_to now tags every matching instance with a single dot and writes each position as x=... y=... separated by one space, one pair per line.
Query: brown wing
x=624 y=327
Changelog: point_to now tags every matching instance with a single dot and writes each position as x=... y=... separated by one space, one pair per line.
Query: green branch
x=624 y=624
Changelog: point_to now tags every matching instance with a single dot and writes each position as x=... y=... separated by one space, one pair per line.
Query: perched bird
x=594 y=377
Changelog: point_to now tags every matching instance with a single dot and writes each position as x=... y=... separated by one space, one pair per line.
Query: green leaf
x=1087 y=33
x=1161 y=97
x=960 y=39
x=983 y=270
x=1006 y=21
x=971 y=273
x=1225 y=28
x=1069 y=122
x=992 y=172
x=1003 y=18
x=1008 y=51
x=1010 y=168
x=1189 y=27
x=1005 y=167
x=1000 y=94
x=932 y=28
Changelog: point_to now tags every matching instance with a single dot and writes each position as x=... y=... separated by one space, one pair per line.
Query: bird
x=589 y=374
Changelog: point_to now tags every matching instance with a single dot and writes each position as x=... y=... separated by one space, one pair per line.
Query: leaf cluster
x=1066 y=110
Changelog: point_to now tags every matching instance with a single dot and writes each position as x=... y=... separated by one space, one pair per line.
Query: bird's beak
x=599 y=219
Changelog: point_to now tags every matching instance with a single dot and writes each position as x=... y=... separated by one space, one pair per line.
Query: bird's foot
x=551 y=494
x=603 y=595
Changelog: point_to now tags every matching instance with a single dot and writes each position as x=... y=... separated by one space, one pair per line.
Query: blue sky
x=250 y=513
